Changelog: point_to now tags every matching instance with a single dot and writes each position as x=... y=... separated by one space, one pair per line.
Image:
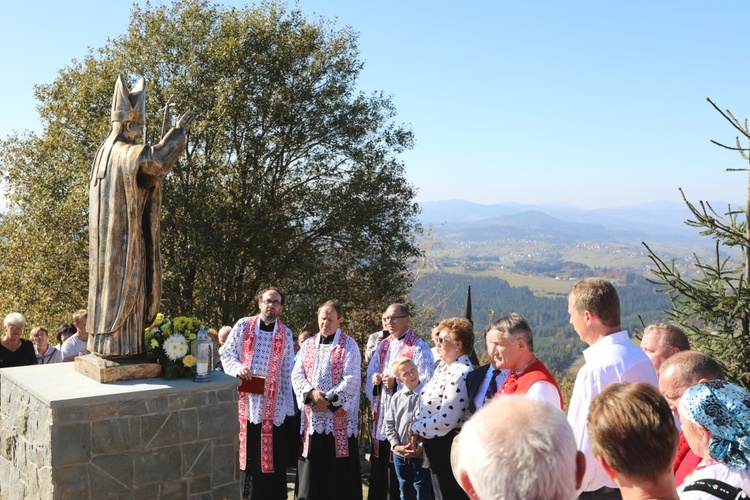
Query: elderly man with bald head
x=676 y=375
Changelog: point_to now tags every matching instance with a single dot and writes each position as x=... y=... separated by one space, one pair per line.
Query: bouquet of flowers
x=168 y=343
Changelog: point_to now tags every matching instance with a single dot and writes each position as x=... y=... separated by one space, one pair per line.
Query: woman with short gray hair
x=15 y=351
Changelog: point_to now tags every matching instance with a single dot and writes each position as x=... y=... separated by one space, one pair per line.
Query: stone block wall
x=64 y=436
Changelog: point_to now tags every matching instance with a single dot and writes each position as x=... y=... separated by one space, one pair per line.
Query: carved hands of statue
x=186 y=120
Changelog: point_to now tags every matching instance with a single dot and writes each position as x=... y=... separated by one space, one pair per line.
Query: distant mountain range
x=662 y=221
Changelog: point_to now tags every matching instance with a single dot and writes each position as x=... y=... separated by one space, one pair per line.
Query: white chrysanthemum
x=176 y=346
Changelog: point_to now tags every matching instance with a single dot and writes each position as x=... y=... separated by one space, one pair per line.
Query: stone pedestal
x=106 y=371
x=65 y=436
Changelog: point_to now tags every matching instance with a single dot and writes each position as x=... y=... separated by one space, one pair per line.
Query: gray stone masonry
x=66 y=436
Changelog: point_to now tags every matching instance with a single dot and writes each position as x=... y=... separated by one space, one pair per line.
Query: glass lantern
x=204 y=347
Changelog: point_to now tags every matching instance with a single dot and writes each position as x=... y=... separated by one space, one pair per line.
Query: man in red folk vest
x=513 y=350
x=259 y=351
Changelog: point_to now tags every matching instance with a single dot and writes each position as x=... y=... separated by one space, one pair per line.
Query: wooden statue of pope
x=124 y=208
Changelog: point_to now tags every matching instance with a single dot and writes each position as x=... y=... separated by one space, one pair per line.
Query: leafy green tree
x=714 y=309
x=290 y=177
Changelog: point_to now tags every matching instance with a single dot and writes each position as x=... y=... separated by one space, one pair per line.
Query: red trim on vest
x=522 y=382
x=685 y=461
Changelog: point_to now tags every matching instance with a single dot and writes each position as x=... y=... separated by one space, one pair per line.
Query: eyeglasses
x=275 y=303
x=443 y=338
x=14 y=327
x=388 y=319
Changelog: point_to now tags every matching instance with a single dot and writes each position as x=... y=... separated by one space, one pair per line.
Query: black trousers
x=383 y=479
x=258 y=484
x=322 y=476
x=291 y=445
x=438 y=451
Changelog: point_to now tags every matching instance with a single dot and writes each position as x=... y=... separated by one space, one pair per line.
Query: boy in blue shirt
x=413 y=478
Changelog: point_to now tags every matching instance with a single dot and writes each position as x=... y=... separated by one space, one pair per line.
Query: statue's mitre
x=129 y=105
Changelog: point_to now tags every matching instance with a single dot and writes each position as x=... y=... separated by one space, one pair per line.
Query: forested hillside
x=556 y=343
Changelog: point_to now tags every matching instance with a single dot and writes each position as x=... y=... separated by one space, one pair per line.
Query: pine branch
x=731 y=148
x=731 y=119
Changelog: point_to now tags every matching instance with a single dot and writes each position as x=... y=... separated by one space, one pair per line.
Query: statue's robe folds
x=124 y=261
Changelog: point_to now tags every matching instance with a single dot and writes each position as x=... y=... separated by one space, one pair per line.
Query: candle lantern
x=204 y=347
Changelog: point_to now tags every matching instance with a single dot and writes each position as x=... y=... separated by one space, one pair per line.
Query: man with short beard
x=259 y=351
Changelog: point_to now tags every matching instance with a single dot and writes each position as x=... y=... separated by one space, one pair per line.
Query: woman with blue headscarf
x=715 y=419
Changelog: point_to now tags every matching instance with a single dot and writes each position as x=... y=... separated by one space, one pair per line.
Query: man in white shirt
x=375 y=339
x=77 y=344
x=259 y=351
x=594 y=309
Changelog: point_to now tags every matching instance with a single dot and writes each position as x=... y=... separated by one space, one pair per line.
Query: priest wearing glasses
x=259 y=351
x=381 y=384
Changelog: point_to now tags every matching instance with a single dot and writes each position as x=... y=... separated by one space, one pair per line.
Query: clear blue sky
x=593 y=104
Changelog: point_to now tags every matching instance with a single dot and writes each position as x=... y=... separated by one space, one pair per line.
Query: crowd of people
x=656 y=421
x=17 y=351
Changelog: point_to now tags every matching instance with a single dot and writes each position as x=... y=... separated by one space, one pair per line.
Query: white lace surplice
x=231 y=359
x=347 y=389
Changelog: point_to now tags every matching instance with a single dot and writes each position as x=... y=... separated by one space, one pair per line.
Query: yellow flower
x=154 y=343
x=181 y=323
x=158 y=320
x=191 y=336
x=189 y=360
x=195 y=323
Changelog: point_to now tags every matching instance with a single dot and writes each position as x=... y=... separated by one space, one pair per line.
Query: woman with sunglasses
x=444 y=404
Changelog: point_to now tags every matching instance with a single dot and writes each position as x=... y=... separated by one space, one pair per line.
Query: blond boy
x=413 y=478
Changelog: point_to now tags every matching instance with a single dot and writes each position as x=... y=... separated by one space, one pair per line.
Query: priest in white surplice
x=381 y=384
x=261 y=346
x=327 y=380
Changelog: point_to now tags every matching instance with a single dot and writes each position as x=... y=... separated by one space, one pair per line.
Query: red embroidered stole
x=407 y=349
x=520 y=383
x=338 y=355
x=270 y=394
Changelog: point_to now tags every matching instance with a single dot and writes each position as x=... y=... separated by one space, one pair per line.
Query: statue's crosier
x=124 y=208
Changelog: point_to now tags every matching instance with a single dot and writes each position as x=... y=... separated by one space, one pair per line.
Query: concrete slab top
x=59 y=384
